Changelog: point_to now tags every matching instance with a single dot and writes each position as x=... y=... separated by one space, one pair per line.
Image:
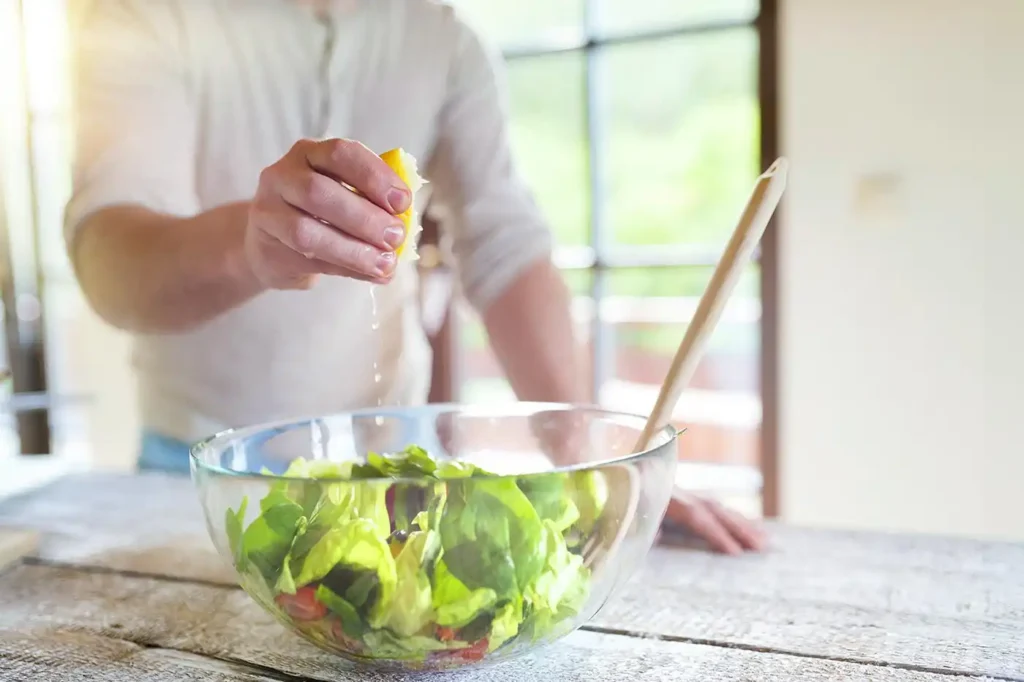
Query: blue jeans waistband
x=161 y=453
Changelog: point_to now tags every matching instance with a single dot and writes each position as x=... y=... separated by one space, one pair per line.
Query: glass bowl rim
x=518 y=409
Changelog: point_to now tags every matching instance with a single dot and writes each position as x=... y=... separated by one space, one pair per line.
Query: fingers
x=746 y=531
x=320 y=196
x=303 y=271
x=326 y=248
x=333 y=204
x=325 y=198
x=709 y=527
x=724 y=530
x=354 y=164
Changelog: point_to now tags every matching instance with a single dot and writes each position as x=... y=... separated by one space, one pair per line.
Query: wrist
x=237 y=264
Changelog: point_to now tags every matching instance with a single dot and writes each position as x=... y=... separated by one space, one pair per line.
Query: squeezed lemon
x=404 y=165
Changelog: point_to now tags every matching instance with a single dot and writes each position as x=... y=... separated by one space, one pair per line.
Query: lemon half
x=404 y=165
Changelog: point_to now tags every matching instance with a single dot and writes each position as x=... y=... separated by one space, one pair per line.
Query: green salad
x=450 y=562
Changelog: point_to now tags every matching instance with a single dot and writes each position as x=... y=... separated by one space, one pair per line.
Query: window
x=638 y=124
x=35 y=175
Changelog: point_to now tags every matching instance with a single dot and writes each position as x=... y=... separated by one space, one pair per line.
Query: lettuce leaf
x=386 y=644
x=548 y=495
x=233 y=523
x=491 y=536
x=285 y=580
x=370 y=504
x=351 y=623
x=455 y=604
x=359 y=548
x=305 y=490
x=562 y=587
x=589 y=492
x=411 y=609
x=268 y=540
x=505 y=625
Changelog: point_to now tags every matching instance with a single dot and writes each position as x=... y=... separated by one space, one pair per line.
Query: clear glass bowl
x=416 y=572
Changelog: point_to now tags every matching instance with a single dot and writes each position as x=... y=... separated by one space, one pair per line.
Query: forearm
x=150 y=273
x=531 y=332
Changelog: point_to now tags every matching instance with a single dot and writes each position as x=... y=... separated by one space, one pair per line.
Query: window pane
x=524 y=21
x=46 y=41
x=645 y=315
x=626 y=16
x=51 y=142
x=482 y=378
x=549 y=135
x=683 y=136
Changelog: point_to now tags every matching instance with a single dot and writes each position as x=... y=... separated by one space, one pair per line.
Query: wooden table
x=126 y=586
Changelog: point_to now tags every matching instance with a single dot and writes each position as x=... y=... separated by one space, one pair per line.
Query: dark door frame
x=768 y=94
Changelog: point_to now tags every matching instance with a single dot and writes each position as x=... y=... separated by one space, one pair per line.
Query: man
x=211 y=218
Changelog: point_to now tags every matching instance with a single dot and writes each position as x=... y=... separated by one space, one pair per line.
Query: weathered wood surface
x=77 y=657
x=918 y=602
x=68 y=624
x=149 y=523
x=15 y=544
x=949 y=605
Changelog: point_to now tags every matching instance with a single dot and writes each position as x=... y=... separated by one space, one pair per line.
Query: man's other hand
x=724 y=530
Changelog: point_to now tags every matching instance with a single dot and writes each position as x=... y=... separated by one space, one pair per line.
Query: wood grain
x=149 y=523
x=65 y=624
x=952 y=605
x=933 y=603
x=46 y=655
x=15 y=544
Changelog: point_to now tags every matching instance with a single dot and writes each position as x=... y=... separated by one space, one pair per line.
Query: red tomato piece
x=445 y=634
x=474 y=652
x=302 y=605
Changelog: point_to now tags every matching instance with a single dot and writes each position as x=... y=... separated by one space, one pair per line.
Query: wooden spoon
x=752 y=223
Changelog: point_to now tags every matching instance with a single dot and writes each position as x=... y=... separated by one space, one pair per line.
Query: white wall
x=901 y=255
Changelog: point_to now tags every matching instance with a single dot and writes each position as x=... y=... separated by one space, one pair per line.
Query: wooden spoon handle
x=760 y=206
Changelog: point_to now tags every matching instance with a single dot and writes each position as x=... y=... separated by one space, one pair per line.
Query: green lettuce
x=492 y=535
x=505 y=624
x=455 y=604
x=233 y=521
x=588 y=490
x=357 y=549
x=386 y=644
x=351 y=622
x=549 y=495
x=443 y=557
x=412 y=607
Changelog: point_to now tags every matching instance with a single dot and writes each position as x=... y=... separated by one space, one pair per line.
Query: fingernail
x=385 y=263
x=394 y=236
x=399 y=199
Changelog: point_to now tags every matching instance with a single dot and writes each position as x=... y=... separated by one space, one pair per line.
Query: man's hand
x=532 y=335
x=305 y=220
x=724 y=530
x=563 y=436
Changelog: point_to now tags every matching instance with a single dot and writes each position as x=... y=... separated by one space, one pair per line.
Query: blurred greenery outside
x=681 y=147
